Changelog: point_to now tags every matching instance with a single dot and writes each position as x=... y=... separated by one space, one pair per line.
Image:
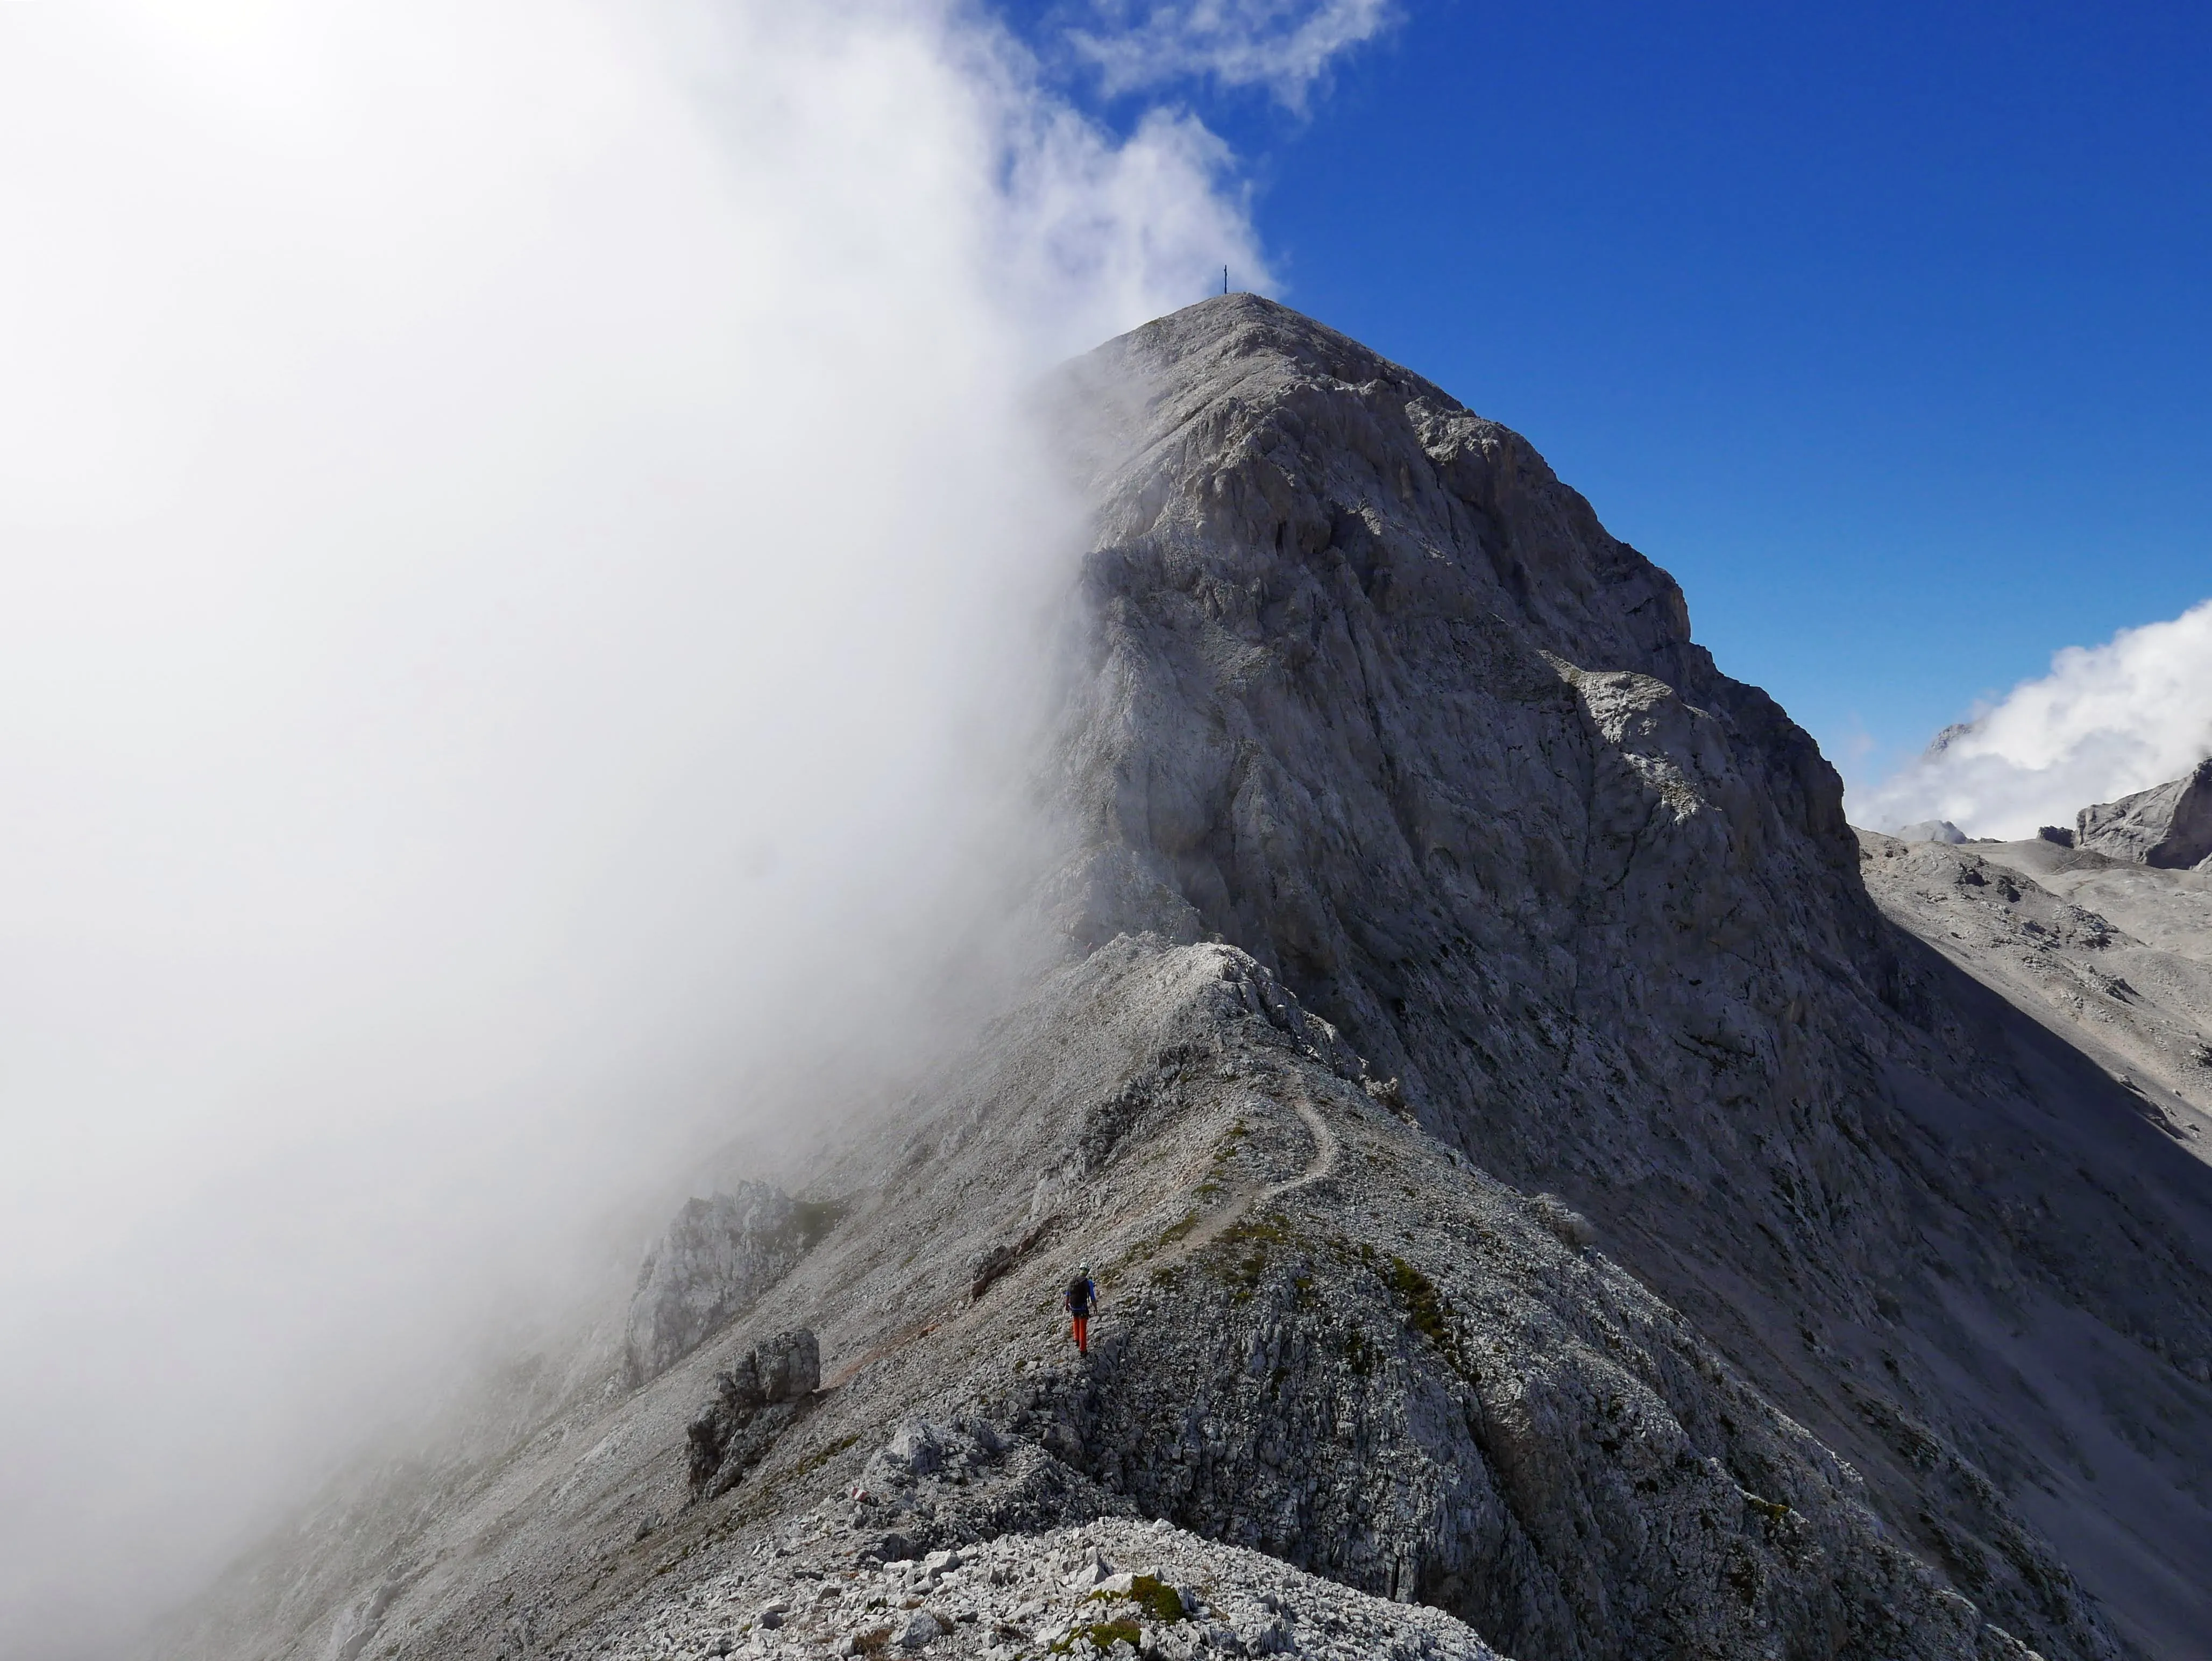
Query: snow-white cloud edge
x=2105 y=721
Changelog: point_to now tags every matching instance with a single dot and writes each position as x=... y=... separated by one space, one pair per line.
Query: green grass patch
x=1241 y=1253
x=1227 y=1148
x=1426 y=1311
x=1170 y=1235
x=1425 y=1305
x=1153 y=1594
x=1271 y=1229
x=1360 y=1355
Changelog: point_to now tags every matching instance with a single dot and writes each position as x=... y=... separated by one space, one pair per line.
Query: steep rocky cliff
x=1528 y=1174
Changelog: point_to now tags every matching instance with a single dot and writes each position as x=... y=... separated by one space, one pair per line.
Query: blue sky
x=1883 y=327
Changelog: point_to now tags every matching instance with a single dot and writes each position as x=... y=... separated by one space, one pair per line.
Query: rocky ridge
x=1532 y=1178
x=818 y=1587
x=1326 y=1337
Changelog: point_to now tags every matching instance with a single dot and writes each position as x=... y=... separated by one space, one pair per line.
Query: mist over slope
x=466 y=684
x=1415 y=860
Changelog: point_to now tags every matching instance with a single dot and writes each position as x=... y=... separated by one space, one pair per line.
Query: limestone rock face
x=2169 y=826
x=717 y=1257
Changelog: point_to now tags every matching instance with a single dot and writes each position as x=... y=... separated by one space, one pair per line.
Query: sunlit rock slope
x=1528 y=1175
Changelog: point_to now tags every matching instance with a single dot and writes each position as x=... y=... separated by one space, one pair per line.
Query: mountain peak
x=1227 y=326
x=1527 y=1174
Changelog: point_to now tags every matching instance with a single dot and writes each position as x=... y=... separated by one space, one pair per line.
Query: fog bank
x=519 y=608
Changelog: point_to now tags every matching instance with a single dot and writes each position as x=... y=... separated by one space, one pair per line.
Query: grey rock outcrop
x=2169 y=826
x=716 y=1259
x=754 y=1403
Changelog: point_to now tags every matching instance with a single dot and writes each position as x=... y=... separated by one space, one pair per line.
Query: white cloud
x=521 y=543
x=1284 y=46
x=2106 y=721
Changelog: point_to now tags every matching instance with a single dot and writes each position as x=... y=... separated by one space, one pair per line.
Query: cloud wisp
x=2106 y=721
x=524 y=544
x=1284 y=46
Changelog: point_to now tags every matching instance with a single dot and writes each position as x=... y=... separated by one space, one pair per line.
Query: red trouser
x=1083 y=1333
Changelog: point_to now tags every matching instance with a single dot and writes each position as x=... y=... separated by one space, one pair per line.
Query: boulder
x=920 y=1629
x=2169 y=826
x=1932 y=830
x=788 y=1366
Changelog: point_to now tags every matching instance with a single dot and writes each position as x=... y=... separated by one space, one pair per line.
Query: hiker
x=1079 y=1300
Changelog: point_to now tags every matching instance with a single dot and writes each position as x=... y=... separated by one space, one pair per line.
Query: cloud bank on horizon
x=524 y=546
x=2106 y=721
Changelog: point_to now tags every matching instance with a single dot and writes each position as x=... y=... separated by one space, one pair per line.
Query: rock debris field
x=1117 y=1587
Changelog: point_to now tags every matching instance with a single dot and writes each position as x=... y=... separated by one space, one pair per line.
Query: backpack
x=1079 y=1294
